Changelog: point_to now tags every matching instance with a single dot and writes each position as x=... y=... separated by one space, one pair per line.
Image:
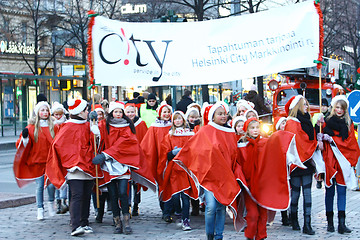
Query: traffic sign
x=354 y=106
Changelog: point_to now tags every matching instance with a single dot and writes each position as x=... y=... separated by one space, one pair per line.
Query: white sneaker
x=88 y=229
x=51 y=209
x=78 y=231
x=40 y=214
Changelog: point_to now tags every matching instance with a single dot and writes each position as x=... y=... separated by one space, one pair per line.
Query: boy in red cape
x=70 y=159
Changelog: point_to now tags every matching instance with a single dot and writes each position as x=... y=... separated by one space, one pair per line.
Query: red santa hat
x=76 y=106
x=130 y=105
x=205 y=113
x=292 y=103
x=339 y=97
x=181 y=114
x=98 y=107
x=39 y=105
x=278 y=121
x=237 y=119
x=114 y=105
x=246 y=124
x=163 y=104
x=216 y=106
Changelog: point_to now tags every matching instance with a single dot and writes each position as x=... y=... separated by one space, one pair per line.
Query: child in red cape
x=120 y=156
x=172 y=174
x=209 y=158
x=70 y=160
x=299 y=123
x=140 y=126
x=341 y=153
x=31 y=155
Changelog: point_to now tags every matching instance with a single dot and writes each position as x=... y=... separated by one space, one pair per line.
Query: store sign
x=17 y=48
x=67 y=70
x=69 y=52
x=79 y=70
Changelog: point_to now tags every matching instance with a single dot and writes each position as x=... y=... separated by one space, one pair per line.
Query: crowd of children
x=201 y=157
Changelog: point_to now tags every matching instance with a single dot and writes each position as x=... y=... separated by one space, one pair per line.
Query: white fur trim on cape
x=222 y=128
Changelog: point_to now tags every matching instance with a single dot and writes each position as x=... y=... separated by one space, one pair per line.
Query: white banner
x=209 y=52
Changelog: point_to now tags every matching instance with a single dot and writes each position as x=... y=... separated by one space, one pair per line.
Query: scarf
x=117 y=121
x=337 y=124
x=306 y=124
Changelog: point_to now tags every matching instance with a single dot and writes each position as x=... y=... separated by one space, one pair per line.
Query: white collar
x=222 y=128
x=120 y=125
x=44 y=123
x=71 y=120
x=137 y=122
x=182 y=132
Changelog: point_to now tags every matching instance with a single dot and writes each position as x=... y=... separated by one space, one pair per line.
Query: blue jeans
x=341 y=197
x=174 y=204
x=40 y=192
x=214 y=216
x=62 y=193
x=117 y=188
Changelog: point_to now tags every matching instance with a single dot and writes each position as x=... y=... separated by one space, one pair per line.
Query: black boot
x=210 y=236
x=135 y=210
x=294 y=221
x=284 y=218
x=330 y=220
x=58 y=206
x=342 y=227
x=307 y=226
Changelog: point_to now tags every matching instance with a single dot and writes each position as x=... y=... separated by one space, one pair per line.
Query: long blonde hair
x=298 y=107
x=346 y=115
x=35 y=120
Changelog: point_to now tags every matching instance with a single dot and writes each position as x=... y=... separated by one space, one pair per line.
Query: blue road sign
x=354 y=106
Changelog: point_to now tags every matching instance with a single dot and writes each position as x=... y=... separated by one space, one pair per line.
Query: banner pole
x=95 y=153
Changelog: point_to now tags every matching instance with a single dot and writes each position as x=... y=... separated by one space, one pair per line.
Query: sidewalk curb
x=15 y=200
x=8 y=145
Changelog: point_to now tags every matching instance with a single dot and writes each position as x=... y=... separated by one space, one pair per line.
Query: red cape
x=304 y=146
x=171 y=173
x=72 y=147
x=141 y=129
x=151 y=146
x=122 y=145
x=210 y=160
x=30 y=161
x=349 y=149
x=264 y=163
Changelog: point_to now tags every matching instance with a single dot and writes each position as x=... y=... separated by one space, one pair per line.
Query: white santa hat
x=205 y=104
x=216 y=106
x=57 y=106
x=237 y=119
x=339 y=97
x=251 y=110
x=246 y=104
x=279 y=121
x=162 y=105
x=76 y=106
x=194 y=105
x=39 y=105
x=114 y=105
x=178 y=112
x=192 y=109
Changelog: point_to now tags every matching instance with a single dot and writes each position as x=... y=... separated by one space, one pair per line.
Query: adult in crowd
x=258 y=101
x=185 y=101
x=148 y=110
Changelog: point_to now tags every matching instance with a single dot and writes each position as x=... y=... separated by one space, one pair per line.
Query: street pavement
x=21 y=223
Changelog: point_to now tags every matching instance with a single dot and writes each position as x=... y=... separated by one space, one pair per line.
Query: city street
x=20 y=222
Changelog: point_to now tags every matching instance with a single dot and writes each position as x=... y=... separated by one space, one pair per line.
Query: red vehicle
x=305 y=82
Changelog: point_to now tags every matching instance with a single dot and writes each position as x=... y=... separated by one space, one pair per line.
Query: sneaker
x=78 y=231
x=186 y=224
x=40 y=214
x=88 y=229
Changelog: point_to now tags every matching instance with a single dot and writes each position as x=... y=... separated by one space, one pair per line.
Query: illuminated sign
x=69 y=52
x=17 y=48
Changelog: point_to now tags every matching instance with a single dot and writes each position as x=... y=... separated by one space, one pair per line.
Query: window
x=311 y=94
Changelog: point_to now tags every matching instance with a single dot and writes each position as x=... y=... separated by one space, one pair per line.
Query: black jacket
x=183 y=103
